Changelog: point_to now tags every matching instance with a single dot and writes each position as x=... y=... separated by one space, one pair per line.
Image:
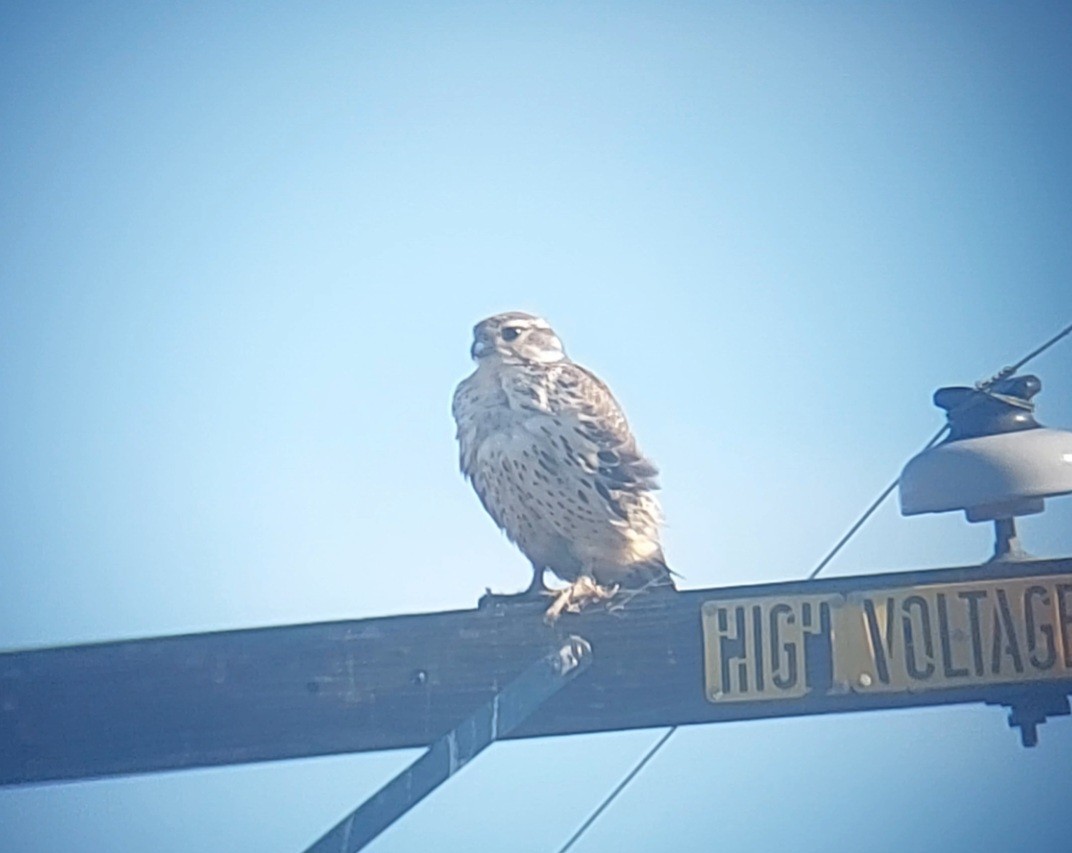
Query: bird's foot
x=582 y=591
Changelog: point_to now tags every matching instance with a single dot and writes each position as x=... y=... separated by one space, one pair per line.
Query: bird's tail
x=651 y=574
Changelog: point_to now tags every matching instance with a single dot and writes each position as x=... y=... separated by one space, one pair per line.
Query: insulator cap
x=997 y=461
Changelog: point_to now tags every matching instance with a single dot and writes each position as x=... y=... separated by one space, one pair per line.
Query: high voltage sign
x=911 y=639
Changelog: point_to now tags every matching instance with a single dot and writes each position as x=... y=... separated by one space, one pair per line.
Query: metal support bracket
x=1029 y=713
x=449 y=753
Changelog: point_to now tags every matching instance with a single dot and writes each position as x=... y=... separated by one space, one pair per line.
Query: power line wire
x=984 y=386
x=1011 y=369
x=618 y=789
x=875 y=504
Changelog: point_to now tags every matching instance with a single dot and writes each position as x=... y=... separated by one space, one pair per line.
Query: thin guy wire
x=1004 y=373
x=621 y=786
x=1011 y=369
x=875 y=504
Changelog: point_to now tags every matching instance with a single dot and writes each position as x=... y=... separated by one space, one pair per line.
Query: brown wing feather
x=600 y=419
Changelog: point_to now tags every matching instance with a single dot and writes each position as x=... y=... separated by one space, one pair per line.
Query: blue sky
x=241 y=251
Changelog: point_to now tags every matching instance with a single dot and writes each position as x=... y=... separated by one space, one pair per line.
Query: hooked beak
x=478 y=349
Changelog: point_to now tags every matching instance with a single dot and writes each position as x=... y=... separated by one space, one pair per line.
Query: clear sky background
x=241 y=251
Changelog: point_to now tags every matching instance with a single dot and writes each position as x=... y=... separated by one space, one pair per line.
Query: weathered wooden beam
x=769 y=650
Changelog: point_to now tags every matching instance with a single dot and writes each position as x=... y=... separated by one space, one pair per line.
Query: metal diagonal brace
x=448 y=754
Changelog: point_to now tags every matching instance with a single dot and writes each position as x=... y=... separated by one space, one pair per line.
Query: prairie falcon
x=551 y=457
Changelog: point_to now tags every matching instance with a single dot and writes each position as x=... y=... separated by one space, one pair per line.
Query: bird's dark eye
x=510 y=333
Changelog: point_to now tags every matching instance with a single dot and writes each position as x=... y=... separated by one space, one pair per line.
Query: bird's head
x=515 y=337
